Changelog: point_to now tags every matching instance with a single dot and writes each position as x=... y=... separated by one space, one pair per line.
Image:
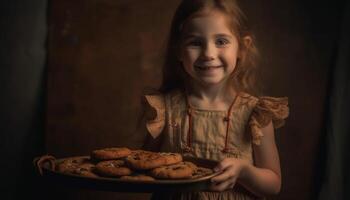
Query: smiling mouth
x=207 y=67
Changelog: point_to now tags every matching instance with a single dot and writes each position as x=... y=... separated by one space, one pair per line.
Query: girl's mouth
x=204 y=68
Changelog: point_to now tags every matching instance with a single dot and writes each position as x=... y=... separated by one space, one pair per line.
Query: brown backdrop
x=102 y=53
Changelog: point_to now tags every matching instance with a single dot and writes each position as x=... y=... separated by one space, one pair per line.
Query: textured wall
x=103 y=52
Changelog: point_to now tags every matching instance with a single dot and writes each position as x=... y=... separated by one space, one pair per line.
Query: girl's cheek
x=193 y=53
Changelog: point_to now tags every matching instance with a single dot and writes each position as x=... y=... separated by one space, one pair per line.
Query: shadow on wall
x=22 y=88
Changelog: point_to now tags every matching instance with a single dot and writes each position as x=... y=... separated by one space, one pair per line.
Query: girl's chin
x=213 y=81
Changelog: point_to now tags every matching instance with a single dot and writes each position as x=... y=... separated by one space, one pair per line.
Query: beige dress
x=208 y=139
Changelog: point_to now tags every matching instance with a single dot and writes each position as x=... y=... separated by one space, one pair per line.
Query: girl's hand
x=231 y=169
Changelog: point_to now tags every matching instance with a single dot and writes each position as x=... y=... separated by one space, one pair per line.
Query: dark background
x=72 y=72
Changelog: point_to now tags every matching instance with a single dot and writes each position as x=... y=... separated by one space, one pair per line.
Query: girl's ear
x=247 y=40
x=246 y=43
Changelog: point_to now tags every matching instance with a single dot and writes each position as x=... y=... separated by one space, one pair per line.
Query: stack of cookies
x=137 y=165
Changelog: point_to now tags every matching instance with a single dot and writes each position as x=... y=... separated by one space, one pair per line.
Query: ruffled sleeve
x=154 y=114
x=267 y=109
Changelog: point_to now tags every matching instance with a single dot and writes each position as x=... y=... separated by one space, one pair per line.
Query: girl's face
x=209 y=49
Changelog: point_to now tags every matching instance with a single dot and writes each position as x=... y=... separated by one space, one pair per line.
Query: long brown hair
x=244 y=76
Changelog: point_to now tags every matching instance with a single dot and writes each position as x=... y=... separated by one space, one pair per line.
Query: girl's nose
x=208 y=52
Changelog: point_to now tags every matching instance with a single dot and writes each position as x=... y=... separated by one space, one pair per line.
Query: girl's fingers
x=221 y=177
x=223 y=164
x=229 y=184
x=225 y=175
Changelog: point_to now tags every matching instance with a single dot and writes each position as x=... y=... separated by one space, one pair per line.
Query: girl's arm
x=263 y=178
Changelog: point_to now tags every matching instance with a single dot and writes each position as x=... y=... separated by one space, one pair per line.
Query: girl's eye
x=222 y=42
x=195 y=43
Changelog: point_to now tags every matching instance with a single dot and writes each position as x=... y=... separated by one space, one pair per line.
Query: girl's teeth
x=206 y=68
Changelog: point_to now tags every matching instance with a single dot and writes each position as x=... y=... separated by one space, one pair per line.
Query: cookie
x=181 y=170
x=139 y=177
x=145 y=160
x=190 y=164
x=70 y=164
x=138 y=151
x=172 y=158
x=201 y=172
x=110 y=153
x=112 y=168
x=86 y=170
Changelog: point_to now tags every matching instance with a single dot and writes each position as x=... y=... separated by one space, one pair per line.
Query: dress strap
x=189 y=148
x=227 y=119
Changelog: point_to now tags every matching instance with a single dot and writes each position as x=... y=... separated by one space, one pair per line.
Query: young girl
x=206 y=109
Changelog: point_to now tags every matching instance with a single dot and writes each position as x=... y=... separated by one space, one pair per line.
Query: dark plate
x=118 y=185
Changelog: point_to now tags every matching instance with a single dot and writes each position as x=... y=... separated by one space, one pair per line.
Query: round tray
x=46 y=167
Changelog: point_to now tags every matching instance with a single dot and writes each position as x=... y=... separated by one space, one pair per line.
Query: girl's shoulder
x=264 y=102
x=154 y=107
x=266 y=109
x=157 y=99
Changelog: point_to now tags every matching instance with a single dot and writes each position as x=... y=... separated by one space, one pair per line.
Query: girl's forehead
x=211 y=21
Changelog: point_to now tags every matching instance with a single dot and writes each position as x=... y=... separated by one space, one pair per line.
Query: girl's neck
x=215 y=97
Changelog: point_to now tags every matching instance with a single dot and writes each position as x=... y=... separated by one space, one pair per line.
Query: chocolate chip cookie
x=145 y=160
x=110 y=153
x=183 y=170
x=112 y=168
x=70 y=164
